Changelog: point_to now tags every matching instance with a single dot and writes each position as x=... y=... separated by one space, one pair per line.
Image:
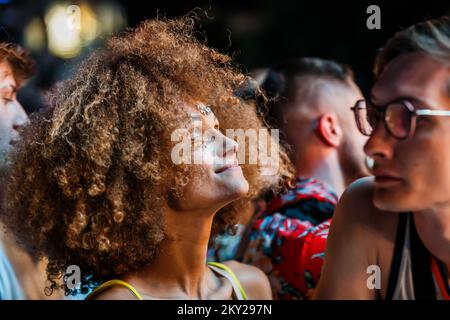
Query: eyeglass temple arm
x=442 y=113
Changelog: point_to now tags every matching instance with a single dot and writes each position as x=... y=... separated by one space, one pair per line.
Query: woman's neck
x=179 y=270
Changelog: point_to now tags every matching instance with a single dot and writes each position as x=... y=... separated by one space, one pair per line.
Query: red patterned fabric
x=287 y=241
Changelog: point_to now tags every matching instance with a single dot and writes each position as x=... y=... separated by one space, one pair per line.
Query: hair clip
x=205 y=110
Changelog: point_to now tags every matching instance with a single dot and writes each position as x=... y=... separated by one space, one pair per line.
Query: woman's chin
x=243 y=190
x=236 y=190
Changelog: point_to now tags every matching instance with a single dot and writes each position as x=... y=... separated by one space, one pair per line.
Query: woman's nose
x=230 y=147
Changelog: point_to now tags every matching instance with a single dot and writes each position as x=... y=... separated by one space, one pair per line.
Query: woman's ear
x=329 y=130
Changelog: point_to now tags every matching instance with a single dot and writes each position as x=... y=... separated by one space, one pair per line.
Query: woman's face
x=215 y=176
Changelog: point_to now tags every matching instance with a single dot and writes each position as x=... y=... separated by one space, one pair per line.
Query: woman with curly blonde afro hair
x=94 y=181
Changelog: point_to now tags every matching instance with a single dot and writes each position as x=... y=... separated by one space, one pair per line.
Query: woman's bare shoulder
x=253 y=280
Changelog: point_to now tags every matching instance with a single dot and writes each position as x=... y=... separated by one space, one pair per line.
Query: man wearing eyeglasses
x=390 y=238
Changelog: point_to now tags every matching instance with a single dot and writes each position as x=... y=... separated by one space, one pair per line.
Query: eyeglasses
x=399 y=117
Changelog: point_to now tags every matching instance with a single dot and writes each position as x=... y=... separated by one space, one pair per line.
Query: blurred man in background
x=310 y=103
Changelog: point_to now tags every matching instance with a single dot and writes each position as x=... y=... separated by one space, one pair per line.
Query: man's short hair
x=280 y=83
x=431 y=37
x=19 y=59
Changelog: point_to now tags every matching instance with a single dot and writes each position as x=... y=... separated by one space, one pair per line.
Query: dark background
x=256 y=33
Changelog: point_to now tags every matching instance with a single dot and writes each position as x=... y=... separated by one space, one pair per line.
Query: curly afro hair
x=93 y=168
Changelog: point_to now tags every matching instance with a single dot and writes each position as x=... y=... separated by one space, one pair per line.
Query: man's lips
x=384 y=179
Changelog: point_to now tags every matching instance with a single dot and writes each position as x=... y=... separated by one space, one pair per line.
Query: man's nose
x=380 y=143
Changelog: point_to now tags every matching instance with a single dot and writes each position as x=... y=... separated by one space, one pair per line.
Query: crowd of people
x=96 y=178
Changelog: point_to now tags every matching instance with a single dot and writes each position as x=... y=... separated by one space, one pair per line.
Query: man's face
x=412 y=174
x=351 y=152
x=12 y=115
x=335 y=98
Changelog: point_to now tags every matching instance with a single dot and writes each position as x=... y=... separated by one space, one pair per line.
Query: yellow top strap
x=112 y=283
x=233 y=276
x=117 y=282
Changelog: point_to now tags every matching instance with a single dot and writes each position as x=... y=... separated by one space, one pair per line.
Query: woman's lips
x=228 y=167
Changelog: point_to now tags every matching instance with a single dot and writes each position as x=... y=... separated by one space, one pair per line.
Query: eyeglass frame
x=415 y=113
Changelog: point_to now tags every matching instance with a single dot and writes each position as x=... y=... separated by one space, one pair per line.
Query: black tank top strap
x=424 y=288
x=397 y=254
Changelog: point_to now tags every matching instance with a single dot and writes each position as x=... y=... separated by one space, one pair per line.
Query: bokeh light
x=71 y=27
x=63 y=31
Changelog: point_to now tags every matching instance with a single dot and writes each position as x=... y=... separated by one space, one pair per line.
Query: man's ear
x=329 y=130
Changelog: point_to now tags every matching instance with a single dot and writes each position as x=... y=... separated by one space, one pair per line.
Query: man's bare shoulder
x=356 y=206
x=360 y=236
x=358 y=197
